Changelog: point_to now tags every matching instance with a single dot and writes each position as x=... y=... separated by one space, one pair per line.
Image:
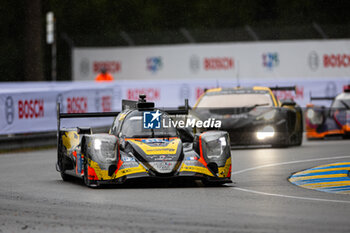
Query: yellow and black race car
x=253 y=116
x=140 y=145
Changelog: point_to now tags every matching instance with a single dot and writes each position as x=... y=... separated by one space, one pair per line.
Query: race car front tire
x=87 y=182
x=283 y=143
x=299 y=139
x=66 y=177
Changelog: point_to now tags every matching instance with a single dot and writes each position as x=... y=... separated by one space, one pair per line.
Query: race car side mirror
x=183 y=107
x=185 y=134
x=122 y=142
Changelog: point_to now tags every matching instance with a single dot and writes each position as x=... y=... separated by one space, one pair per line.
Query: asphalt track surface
x=33 y=198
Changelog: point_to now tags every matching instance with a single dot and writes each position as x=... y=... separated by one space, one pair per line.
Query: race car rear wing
x=321 y=97
x=79 y=115
x=286 y=88
x=142 y=104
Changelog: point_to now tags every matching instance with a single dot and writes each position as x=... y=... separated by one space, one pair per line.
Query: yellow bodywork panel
x=70 y=139
x=122 y=116
x=129 y=171
x=203 y=170
x=103 y=174
x=274 y=99
x=223 y=171
x=169 y=149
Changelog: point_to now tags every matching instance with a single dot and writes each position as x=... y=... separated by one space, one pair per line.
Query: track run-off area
x=33 y=198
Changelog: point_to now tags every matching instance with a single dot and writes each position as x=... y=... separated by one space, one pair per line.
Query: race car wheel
x=282 y=144
x=86 y=174
x=299 y=134
x=299 y=138
x=208 y=183
x=88 y=182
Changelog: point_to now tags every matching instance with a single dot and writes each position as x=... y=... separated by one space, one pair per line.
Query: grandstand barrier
x=28 y=109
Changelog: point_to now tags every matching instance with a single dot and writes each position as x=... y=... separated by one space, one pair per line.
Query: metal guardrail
x=34 y=140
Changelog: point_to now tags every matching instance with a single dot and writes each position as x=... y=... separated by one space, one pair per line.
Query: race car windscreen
x=341 y=103
x=235 y=100
x=133 y=127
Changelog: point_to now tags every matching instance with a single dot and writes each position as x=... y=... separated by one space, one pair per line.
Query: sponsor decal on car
x=128 y=159
x=155 y=140
x=164 y=149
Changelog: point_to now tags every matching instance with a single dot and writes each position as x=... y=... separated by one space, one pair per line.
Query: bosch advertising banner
x=277 y=60
x=170 y=93
x=26 y=111
x=32 y=107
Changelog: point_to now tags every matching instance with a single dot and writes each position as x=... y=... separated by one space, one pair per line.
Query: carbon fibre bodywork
x=281 y=123
x=116 y=157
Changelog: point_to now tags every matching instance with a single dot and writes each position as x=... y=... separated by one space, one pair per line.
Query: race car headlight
x=310 y=113
x=97 y=144
x=105 y=150
x=222 y=141
x=315 y=117
x=266 y=132
x=217 y=148
x=268 y=115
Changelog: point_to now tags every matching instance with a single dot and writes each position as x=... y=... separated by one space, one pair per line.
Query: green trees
x=25 y=56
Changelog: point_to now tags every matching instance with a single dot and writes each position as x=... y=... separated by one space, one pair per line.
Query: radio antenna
x=237 y=75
